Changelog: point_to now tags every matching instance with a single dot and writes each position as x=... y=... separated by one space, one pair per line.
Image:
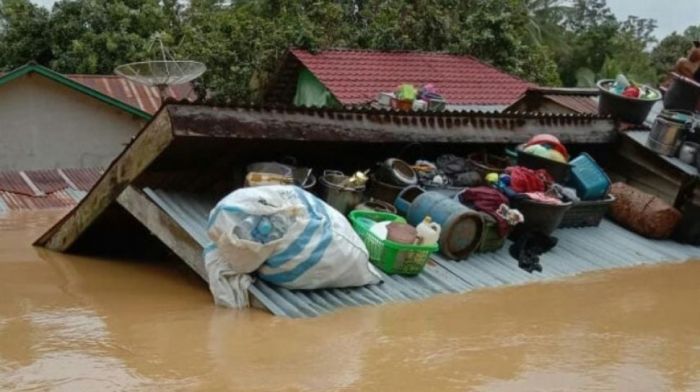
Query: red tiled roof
x=137 y=95
x=40 y=189
x=356 y=77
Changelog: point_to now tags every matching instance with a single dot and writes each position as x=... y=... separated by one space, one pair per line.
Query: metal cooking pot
x=688 y=152
x=668 y=133
x=339 y=196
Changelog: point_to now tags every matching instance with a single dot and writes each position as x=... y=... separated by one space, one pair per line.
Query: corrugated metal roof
x=579 y=250
x=358 y=76
x=41 y=189
x=577 y=103
x=137 y=95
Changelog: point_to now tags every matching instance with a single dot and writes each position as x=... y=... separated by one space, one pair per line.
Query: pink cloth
x=543 y=198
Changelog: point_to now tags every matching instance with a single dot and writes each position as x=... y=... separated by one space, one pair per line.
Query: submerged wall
x=44 y=124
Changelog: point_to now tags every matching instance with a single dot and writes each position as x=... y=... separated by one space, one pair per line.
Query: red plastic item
x=545 y=138
x=631 y=92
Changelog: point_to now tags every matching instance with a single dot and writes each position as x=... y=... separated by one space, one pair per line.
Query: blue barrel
x=406 y=197
x=462 y=227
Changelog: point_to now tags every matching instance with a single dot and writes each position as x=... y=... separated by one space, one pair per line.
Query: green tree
x=671 y=48
x=93 y=36
x=24 y=34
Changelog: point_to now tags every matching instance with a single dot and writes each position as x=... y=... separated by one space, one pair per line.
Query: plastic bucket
x=462 y=227
x=342 y=198
x=683 y=94
x=539 y=217
x=558 y=170
x=630 y=110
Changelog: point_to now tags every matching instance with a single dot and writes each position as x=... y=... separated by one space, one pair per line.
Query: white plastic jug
x=428 y=232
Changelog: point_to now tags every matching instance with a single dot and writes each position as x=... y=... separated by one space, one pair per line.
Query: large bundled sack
x=643 y=213
x=290 y=237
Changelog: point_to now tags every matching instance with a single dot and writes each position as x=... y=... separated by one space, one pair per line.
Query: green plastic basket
x=391 y=257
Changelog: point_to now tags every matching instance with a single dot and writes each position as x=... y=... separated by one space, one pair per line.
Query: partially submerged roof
x=568 y=100
x=41 y=189
x=189 y=156
x=358 y=76
x=140 y=101
x=193 y=133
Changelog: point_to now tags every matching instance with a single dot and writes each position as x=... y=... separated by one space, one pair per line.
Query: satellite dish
x=163 y=72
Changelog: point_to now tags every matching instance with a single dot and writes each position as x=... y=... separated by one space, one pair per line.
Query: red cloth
x=523 y=180
x=487 y=200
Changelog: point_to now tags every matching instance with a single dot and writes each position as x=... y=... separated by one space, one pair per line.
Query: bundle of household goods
x=407 y=97
x=289 y=228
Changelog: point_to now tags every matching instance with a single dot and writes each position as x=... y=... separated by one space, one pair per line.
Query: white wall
x=44 y=124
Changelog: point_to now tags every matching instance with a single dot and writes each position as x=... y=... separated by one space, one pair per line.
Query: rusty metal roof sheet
x=579 y=250
x=578 y=103
x=40 y=189
x=137 y=95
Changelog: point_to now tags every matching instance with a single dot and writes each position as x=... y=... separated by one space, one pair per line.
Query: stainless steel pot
x=667 y=135
x=688 y=152
x=337 y=195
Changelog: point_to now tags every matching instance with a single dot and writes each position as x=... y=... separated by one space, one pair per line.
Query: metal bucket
x=342 y=198
x=666 y=135
x=462 y=227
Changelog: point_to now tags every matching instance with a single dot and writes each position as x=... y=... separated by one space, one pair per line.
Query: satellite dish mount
x=162 y=72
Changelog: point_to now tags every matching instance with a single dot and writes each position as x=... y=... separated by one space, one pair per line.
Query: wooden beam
x=140 y=153
x=164 y=227
x=385 y=127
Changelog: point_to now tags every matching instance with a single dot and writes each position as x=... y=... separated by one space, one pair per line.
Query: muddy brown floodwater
x=70 y=323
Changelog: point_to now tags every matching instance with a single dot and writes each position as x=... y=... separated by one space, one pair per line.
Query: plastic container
x=558 y=170
x=389 y=256
x=683 y=94
x=587 y=213
x=462 y=227
x=376 y=205
x=541 y=217
x=589 y=179
x=630 y=110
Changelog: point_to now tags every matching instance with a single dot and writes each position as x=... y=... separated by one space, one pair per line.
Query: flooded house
x=50 y=120
x=189 y=156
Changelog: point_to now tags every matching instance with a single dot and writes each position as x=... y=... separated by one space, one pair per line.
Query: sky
x=671 y=15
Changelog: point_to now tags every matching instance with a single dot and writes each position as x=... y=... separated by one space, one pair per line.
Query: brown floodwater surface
x=73 y=323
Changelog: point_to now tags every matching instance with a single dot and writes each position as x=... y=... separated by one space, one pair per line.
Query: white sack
x=319 y=248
